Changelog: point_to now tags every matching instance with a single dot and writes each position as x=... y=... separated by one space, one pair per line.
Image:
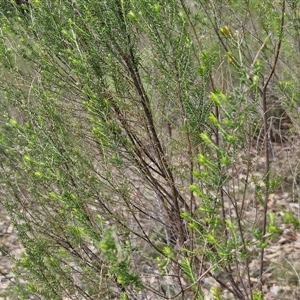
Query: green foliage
x=129 y=141
x=257 y=295
x=290 y=218
x=119 y=260
x=216 y=294
x=187 y=269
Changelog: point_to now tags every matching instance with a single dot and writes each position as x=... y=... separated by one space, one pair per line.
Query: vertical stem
x=267 y=140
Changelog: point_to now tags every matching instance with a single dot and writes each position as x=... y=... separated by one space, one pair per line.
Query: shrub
x=128 y=149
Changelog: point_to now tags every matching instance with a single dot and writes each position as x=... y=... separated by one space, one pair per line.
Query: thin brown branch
x=267 y=139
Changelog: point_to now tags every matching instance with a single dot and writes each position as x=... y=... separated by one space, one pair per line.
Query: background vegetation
x=143 y=147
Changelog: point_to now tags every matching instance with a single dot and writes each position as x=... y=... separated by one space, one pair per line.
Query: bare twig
x=267 y=139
